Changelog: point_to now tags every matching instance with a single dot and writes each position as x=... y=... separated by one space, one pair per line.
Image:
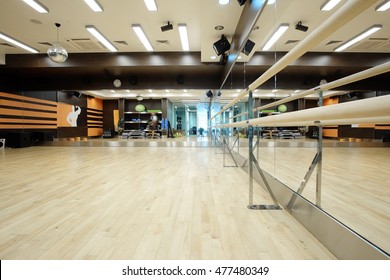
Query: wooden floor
x=152 y=202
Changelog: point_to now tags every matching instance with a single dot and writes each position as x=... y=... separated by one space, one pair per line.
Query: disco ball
x=57 y=53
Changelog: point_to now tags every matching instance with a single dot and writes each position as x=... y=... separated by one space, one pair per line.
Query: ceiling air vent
x=333 y=42
x=46 y=44
x=121 y=42
x=163 y=42
x=86 y=44
x=7 y=45
x=289 y=42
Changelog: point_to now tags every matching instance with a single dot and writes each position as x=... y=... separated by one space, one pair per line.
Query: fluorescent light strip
x=329 y=5
x=279 y=32
x=358 y=38
x=94 y=5
x=142 y=37
x=383 y=7
x=17 y=43
x=91 y=29
x=151 y=5
x=183 y=36
x=37 y=6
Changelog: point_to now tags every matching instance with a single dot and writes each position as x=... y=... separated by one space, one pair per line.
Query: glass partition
x=354 y=178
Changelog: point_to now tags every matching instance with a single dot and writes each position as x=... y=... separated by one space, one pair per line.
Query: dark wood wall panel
x=23 y=112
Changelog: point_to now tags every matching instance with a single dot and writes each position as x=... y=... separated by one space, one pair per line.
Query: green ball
x=282 y=108
x=140 y=108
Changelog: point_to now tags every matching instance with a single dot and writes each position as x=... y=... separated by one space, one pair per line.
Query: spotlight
x=209 y=94
x=241 y=2
x=299 y=26
x=222 y=45
x=167 y=27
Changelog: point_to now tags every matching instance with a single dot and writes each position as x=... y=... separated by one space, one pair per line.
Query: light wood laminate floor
x=138 y=203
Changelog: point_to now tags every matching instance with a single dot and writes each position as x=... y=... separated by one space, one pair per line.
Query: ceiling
x=193 y=72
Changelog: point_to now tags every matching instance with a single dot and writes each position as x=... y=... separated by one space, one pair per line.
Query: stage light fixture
x=299 y=26
x=222 y=45
x=167 y=27
x=209 y=94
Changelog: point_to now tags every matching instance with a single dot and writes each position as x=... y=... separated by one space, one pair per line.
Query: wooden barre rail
x=374 y=71
x=345 y=14
x=372 y=110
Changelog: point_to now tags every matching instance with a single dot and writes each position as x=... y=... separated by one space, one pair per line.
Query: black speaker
x=180 y=79
x=18 y=140
x=77 y=94
x=209 y=94
x=241 y=2
x=133 y=80
x=248 y=47
x=221 y=46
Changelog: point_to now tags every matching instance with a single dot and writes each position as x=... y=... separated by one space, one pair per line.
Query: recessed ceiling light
x=151 y=5
x=224 y=2
x=219 y=27
x=94 y=5
x=359 y=37
x=329 y=5
x=142 y=37
x=17 y=43
x=91 y=29
x=149 y=90
x=213 y=57
x=270 y=2
x=278 y=33
x=184 y=36
x=37 y=6
x=383 y=7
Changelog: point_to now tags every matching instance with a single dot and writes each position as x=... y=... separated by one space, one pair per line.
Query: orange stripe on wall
x=95 y=131
x=14 y=96
x=6 y=120
x=330 y=132
x=95 y=103
x=24 y=105
x=12 y=126
x=12 y=112
x=382 y=127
